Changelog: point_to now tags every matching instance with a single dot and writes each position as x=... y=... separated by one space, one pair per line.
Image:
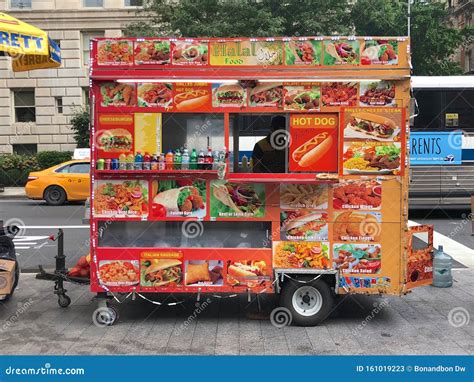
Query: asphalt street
x=32 y=244
x=41 y=220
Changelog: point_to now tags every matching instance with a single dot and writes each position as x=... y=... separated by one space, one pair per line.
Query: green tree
x=246 y=18
x=80 y=126
x=433 y=42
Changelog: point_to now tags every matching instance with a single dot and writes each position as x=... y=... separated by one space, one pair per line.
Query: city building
x=460 y=16
x=36 y=106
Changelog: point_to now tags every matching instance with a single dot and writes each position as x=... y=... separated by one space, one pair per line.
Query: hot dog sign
x=314 y=142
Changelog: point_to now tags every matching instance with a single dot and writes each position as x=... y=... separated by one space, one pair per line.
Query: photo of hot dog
x=247 y=272
x=313 y=150
x=192 y=100
x=373 y=125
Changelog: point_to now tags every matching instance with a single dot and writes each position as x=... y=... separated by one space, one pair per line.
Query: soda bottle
x=193 y=160
x=245 y=162
x=161 y=162
x=122 y=162
x=215 y=160
x=177 y=160
x=185 y=160
x=154 y=162
x=130 y=161
x=108 y=163
x=169 y=158
x=201 y=161
x=138 y=161
x=100 y=164
x=147 y=161
x=208 y=160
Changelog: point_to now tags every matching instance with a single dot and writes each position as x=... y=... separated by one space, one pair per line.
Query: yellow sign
x=148 y=133
x=452 y=116
x=246 y=53
x=18 y=37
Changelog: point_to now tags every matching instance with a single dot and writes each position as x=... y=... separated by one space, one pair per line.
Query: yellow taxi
x=68 y=181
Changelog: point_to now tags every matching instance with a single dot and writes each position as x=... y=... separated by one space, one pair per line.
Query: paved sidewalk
x=32 y=323
x=13 y=193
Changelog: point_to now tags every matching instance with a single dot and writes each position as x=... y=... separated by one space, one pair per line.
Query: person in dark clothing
x=269 y=153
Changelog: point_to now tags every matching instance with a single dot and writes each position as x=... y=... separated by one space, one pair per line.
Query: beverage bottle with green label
x=177 y=160
x=193 y=159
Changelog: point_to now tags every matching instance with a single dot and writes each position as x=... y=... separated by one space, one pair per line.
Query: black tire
x=315 y=314
x=64 y=300
x=55 y=195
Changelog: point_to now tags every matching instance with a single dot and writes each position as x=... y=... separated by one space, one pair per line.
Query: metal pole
x=409 y=17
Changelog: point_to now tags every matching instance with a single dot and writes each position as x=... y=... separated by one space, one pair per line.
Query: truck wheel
x=309 y=303
x=55 y=196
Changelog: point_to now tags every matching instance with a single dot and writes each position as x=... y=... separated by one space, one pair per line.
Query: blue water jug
x=442 y=265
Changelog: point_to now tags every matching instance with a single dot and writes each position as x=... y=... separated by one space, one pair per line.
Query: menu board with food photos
x=297 y=52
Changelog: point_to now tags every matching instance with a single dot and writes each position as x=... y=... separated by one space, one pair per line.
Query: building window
x=85 y=96
x=25 y=149
x=93 y=3
x=86 y=40
x=20 y=4
x=59 y=105
x=133 y=3
x=24 y=104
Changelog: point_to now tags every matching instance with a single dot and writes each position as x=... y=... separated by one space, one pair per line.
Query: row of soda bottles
x=171 y=161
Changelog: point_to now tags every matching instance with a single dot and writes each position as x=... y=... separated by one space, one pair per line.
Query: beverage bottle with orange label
x=169 y=158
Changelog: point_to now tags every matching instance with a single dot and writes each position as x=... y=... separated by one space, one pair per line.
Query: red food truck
x=252 y=165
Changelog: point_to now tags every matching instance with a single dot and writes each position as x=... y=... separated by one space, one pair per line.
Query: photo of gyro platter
x=365 y=158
